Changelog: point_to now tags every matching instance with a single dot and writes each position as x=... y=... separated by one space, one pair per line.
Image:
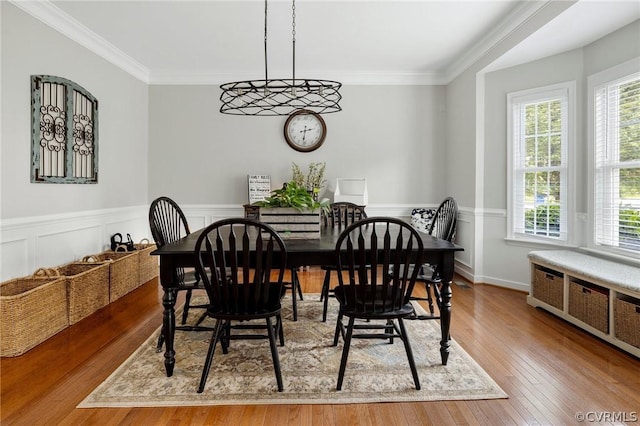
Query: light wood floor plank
x=549 y=368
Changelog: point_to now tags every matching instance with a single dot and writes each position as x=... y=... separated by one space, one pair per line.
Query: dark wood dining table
x=300 y=252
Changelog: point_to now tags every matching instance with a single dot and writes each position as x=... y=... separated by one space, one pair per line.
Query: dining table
x=300 y=252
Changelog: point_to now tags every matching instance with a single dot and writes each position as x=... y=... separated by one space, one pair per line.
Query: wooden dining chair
x=443 y=227
x=371 y=293
x=168 y=224
x=242 y=264
x=339 y=216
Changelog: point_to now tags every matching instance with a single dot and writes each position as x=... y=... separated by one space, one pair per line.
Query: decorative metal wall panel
x=64 y=131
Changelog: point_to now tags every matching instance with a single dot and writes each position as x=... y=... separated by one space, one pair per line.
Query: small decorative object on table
x=293 y=212
x=314 y=181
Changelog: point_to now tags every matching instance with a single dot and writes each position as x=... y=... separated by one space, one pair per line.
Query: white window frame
x=596 y=82
x=515 y=170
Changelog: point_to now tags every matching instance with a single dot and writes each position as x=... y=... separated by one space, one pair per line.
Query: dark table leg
x=446 y=274
x=169 y=315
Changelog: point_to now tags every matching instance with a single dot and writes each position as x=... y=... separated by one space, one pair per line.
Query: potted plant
x=314 y=181
x=293 y=212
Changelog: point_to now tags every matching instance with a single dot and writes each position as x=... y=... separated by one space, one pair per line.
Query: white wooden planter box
x=291 y=224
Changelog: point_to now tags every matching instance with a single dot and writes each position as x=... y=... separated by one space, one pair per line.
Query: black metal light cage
x=280 y=96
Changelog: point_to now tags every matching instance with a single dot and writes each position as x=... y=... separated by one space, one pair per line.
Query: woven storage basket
x=124 y=271
x=548 y=285
x=589 y=304
x=627 y=320
x=87 y=288
x=148 y=264
x=32 y=309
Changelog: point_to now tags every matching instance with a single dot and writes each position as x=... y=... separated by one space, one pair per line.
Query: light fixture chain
x=293 y=42
x=293 y=14
x=266 y=72
x=280 y=96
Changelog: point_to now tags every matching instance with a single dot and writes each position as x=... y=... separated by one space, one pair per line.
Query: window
x=616 y=158
x=64 y=132
x=539 y=140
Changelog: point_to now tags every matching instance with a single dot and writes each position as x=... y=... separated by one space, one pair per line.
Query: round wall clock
x=305 y=130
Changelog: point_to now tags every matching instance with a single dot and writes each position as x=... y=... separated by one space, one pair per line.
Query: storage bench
x=601 y=296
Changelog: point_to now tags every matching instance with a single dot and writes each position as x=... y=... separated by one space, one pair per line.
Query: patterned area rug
x=376 y=370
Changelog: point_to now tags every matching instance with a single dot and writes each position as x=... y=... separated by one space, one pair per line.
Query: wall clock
x=305 y=130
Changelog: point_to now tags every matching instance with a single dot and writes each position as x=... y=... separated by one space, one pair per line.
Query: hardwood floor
x=550 y=369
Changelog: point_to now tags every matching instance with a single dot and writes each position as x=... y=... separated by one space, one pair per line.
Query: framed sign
x=259 y=187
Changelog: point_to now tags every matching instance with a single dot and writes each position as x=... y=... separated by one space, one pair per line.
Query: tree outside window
x=538 y=162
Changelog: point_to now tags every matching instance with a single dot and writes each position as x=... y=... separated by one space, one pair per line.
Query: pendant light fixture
x=280 y=96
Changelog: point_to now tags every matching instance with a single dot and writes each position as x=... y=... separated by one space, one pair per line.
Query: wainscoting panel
x=47 y=241
x=27 y=244
x=13 y=254
x=55 y=247
x=464 y=238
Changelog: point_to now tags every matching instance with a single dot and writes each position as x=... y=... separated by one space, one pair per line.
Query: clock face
x=305 y=131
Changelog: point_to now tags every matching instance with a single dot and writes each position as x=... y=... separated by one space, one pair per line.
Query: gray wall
x=30 y=47
x=414 y=144
x=506 y=261
x=392 y=135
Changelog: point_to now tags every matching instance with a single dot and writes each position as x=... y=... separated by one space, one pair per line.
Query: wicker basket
x=124 y=271
x=148 y=263
x=548 y=285
x=627 y=320
x=87 y=288
x=32 y=310
x=590 y=304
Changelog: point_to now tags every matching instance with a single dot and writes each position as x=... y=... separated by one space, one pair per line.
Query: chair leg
x=274 y=353
x=345 y=353
x=185 y=311
x=294 y=293
x=338 y=329
x=160 y=341
x=389 y=329
x=212 y=347
x=226 y=339
x=325 y=294
x=280 y=329
x=407 y=347
x=428 y=288
x=299 y=287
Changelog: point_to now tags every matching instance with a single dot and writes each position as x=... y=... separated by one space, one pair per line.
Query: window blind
x=539 y=164
x=617 y=163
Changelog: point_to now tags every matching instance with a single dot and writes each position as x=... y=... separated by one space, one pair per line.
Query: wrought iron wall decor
x=64 y=131
x=280 y=96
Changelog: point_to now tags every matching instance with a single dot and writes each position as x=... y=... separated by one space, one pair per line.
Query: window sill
x=521 y=242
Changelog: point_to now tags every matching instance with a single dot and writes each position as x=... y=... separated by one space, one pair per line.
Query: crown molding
x=179 y=77
x=520 y=15
x=49 y=14
x=46 y=12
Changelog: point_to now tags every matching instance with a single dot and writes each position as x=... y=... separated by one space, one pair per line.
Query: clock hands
x=304 y=131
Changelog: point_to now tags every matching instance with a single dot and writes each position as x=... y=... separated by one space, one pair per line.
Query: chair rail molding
x=28 y=243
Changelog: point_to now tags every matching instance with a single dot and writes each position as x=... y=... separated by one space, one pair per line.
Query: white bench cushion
x=619 y=274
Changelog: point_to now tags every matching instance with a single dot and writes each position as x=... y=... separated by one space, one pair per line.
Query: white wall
x=415 y=144
x=392 y=135
x=38 y=219
x=506 y=262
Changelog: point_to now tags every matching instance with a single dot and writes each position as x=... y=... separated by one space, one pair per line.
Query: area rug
x=376 y=370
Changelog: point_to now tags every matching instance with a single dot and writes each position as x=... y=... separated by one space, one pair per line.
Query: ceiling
x=355 y=42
